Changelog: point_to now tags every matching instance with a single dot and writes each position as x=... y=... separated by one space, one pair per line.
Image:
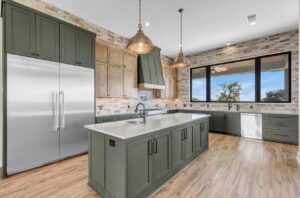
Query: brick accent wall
x=263 y=46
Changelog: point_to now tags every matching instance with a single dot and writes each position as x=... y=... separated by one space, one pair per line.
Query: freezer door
x=76 y=108
x=32 y=113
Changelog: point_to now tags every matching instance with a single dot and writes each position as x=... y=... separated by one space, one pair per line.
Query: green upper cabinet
x=19 y=31
x=33 y=34
x=86 y=49
x=47 y=38
x=76 y=47
x=68 y=40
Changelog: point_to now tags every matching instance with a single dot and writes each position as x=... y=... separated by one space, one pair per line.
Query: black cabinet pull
x=155 y=145
x=32 y=53
x=37 y=54
x=186 y=135
x=150 y=147
x=182 y=134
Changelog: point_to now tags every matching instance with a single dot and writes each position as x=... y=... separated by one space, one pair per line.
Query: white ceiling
x=208 y=24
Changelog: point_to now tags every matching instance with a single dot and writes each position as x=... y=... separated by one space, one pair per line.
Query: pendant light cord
x=181 y=10
x=140 y=15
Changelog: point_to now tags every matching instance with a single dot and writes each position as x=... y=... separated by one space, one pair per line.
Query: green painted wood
x=68 y=40
x=158 y=67
x=47 y=38
x=115 y=167
x=219 y=124
x=85 y=49
x=233 y=123
x=110 y=118
x=152 y=68
x=143 y=69
x=96 y=157
x=197 y=137
x=19 y=31
x=188 y=143
x=204 y=129
x=162 y=156
x=177 y=148
x=139 y=167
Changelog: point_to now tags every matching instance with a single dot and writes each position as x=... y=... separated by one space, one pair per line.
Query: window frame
x=257 y=80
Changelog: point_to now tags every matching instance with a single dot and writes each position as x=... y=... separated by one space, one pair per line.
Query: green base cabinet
x=139 y=166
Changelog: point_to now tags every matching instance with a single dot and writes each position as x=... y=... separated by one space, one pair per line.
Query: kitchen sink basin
x=136 y=122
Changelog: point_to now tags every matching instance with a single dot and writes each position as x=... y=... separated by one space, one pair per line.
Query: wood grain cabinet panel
x=101 y=80
x=101 y=53
x=170 y=80
x=115 y=81
x=47 y=38
x=20 y=31
x=130 y=75
x=115 y=57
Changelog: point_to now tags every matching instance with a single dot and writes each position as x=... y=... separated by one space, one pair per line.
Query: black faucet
x=143 y=112
x=229 y=105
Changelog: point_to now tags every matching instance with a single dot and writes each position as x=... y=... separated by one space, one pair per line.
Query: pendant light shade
x=181 y=61
x=140 y=43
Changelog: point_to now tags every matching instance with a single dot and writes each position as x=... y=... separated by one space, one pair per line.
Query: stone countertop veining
x=125 y=130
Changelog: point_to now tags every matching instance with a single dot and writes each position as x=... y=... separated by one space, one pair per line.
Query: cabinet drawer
x=280 y=136
x=277 y=117
x=104 y=119
x=281 y=124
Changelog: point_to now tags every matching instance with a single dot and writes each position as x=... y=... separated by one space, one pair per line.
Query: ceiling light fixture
x=251 y=19
x=181 y=61
x=140 y=43
x=228 y=44
x=147 y=24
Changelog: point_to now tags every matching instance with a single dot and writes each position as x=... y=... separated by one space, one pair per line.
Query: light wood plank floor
x=232 y=167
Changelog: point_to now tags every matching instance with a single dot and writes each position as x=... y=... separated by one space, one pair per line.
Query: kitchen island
x=132 y=159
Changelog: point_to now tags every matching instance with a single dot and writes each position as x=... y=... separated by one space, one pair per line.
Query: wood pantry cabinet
x=138 y=166
x=116 y=72
x=170 y=78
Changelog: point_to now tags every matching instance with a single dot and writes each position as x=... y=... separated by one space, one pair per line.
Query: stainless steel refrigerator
x=48 y=104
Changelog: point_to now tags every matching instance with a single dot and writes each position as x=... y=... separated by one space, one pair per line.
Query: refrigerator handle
x=56 y=111
x=62 y=109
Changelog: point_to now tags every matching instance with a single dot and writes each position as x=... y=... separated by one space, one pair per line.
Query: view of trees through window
x=233 y=81
x=236 y=81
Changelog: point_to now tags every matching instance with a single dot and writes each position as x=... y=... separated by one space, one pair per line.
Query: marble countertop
x=125 y=130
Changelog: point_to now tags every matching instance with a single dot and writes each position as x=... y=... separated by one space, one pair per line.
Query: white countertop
x=125 y=130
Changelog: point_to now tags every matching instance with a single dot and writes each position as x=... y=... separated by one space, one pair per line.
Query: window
x=233 y=82
x=275 y=79
x=260 y=79
x=199 y=84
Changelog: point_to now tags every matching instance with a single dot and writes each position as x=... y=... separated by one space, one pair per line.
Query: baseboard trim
x=298 y=157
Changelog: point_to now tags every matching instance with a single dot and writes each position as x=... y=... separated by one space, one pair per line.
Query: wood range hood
x=150 y=75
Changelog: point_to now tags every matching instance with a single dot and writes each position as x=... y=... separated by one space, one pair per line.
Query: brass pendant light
x=140 y=43
x=181 y=61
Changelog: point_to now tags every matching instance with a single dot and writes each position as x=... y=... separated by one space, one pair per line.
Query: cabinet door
x=47 y=38
x=115 y=81
x=115 y=57
x=219 y=121
x=101 y=80
x=139 y=166
x=85 y=49
x=130 y=83
x=233 y=123
x=161 y=156
x=177 y=149
x=197 y=137
x=20 y=31
x=188 y=143
x=204 y=128
x=101 y=53
x=68 y=39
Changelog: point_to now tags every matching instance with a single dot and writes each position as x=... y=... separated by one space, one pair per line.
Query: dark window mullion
x=208 y=84
x=257 y=79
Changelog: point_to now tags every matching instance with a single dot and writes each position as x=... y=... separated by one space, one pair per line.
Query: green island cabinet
x=33 y=34
x=138 y=166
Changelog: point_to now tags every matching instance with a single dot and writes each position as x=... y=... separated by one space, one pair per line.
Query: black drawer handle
x=155 y=145
x=182 y=134
x=150 y=147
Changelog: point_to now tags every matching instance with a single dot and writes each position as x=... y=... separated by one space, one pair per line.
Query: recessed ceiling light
x=147 y=24
x=251 y=19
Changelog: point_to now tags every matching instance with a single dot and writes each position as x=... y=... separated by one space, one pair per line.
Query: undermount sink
x=135 y=122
